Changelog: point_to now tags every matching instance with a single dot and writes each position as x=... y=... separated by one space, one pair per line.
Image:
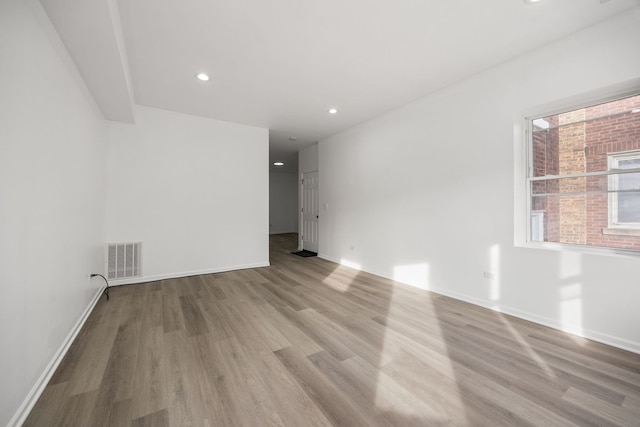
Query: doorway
x=310 y=211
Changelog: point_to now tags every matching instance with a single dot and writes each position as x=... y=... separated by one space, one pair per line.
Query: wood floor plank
x=371 y=352
x=248 y=388
x=120 y=414
x=207 y=282
x=182 y=390
x=172 y=319
x=47 y=408
x=336 y=406
x=262 y=326
x=606 y=410
x=398 y=404
x=360 y=396
x=221 y=406
x=295 y=336
x=91 y=364
x=77 y=410
x=446 y=399
x=218 y=326
x=319 y=332
x=504 y=353
x=193 y=318
x=293 y=404
x=291 y=299
x=632 y=404
x=155 y=419
x=307 y=342
x=149 y=380
x=117 y=381
x=82 y=344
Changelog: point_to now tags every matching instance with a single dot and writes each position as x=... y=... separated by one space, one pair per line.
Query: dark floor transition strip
x=305 y=253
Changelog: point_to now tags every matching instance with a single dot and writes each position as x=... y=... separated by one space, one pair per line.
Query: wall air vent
x=124 y=260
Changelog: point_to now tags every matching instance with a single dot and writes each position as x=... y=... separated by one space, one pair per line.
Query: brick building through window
x=580 y=193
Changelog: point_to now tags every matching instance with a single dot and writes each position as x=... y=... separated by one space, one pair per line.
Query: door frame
x=300 y=209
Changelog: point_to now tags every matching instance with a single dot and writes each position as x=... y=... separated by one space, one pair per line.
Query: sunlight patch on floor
x=391 y=397
x=527 y=348
x=342 y=276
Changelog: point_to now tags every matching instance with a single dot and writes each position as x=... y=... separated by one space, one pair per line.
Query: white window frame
x=613 y=160
x=522 y=165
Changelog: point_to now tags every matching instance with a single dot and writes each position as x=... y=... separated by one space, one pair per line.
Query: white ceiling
x=282 y=64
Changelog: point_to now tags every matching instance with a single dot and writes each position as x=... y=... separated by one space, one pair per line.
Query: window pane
x=629 y=207
x=576 y=211
x=629 y=192
x=579 y=141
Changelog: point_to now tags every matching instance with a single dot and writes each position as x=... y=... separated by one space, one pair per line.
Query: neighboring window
x=624 y=196
x=584 y=176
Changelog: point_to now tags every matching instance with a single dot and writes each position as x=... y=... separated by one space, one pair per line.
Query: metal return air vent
x=124 y=260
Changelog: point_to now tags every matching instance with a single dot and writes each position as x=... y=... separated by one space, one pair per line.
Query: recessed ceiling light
x=531 y=1
x=278 y=164
x=202 y=76
x=332 y=111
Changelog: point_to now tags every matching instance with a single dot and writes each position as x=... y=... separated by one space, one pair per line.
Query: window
x=624 y=196
x=583 y=176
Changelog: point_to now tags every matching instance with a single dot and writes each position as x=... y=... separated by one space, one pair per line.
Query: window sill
x=586 y=250
x=622 y=231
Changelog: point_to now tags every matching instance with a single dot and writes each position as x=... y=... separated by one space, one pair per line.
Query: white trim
x=333 y=260
x=613 y=162
x=537 y=219
x=175 y=275
x=300 y=214
x=621 y=231
x=600 y=337
x=582 y=100
x=36 y=391
x=609 y=172
x=583 y=249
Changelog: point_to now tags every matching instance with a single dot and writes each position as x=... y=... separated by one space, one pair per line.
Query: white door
x=310 y=211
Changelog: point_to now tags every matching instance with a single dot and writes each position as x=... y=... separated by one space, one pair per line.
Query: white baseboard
x=600 y=337
x=333 y=260
x=545 y=321
x=36 y=391
x=156 y=277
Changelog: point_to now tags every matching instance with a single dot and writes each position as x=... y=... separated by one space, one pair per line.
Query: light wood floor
x=306 y=342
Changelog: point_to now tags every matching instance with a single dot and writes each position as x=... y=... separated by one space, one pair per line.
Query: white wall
x=52 y=187
x=425 y=193
x=308 y=159
x=283 y=203
x=194 y=190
